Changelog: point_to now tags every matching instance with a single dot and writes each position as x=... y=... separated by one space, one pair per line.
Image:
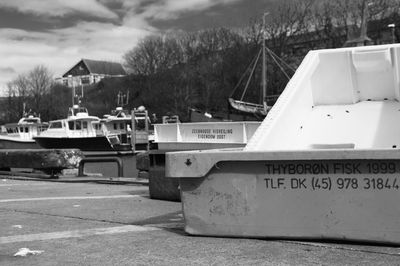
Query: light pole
x=393 y=27
x=264 y=65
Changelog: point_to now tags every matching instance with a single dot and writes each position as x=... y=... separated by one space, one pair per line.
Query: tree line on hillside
x=172 y=72
x=35 y=92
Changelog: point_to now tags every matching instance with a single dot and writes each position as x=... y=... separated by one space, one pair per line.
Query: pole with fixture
x=393 y=27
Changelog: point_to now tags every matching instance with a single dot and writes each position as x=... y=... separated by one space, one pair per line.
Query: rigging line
x=251 y=74
x=281 y=60
x=279 y=65
x=242 y=77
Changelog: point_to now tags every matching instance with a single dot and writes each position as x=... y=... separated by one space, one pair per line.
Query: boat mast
x=264 y=66
x=363 y=26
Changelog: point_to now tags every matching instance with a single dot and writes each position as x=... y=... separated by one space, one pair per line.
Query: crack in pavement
x=336 y=247
x=138 y=223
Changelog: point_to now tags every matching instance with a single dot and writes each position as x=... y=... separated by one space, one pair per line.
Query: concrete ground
x=95 y=222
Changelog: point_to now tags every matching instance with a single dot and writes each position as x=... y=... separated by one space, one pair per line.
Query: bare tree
x=39 y=81
x=153 y=54
x=288 y=19
x=337 y=20
x=28 y=90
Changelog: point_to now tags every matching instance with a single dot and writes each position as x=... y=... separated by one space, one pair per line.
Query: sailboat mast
x=363 y=27
x=264 y=67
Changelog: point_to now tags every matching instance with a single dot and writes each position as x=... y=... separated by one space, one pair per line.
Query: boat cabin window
x=115 y=126
x=84 y=124
x=26 y=130
x=122 y=126
x=57 y=124
x=77 y=125
x=42 y=128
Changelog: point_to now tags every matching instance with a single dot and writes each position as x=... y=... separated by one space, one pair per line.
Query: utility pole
x=393 y=27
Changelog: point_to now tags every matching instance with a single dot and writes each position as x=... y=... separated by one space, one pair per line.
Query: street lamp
x=393 y=27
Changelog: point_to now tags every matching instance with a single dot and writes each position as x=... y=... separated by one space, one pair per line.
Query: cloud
x=7 y=70
x=169 y=9
x=60 y=49
x=59 y=8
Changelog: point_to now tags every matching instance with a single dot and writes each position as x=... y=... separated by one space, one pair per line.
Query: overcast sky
x=58 y=33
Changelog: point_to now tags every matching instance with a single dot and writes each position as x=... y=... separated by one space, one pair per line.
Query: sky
x=58 y=33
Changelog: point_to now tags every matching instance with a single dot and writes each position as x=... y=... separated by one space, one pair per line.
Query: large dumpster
x=190 y=136
x=324 y=164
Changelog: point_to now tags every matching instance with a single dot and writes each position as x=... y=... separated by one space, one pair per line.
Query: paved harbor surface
x=99 y=223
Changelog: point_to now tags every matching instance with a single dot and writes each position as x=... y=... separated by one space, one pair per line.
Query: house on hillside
x=87 y=72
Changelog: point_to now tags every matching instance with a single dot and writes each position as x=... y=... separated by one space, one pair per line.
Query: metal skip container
x=324 y=164
x=190 y=136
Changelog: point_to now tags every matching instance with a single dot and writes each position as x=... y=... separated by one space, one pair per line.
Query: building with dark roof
x=88 y=71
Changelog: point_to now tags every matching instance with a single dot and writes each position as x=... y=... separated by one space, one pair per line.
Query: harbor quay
x=245 y=133
x=84 y=221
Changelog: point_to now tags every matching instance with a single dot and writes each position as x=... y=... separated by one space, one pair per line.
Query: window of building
x=85 y=80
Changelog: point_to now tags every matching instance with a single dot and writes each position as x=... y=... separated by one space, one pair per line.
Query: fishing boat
x=122 y=125
x=20 y=135
x=85 y=132
x=119 y=125
x=78 y=131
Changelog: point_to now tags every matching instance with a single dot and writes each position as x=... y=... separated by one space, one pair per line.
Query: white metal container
x=205 y=135
x=324 y=164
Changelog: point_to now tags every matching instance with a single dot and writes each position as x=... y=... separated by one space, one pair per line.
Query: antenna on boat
x=24 y=109
x=122 y=99
x=75 y=96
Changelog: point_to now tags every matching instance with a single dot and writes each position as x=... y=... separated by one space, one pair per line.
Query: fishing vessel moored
x=20 y=135
x=79 y=130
